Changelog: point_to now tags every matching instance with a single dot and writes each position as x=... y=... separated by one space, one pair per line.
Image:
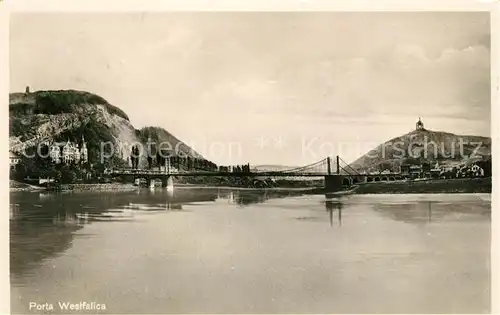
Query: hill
x=58 y=102
x=59 y=116
x=423 y=145
x=166 y=141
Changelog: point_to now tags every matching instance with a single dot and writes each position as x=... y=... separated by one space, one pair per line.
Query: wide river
x=248 y=251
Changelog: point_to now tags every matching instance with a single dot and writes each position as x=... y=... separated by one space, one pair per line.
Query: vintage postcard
x=251 y=161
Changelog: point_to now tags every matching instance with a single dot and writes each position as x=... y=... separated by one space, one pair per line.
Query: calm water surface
x=223 y=251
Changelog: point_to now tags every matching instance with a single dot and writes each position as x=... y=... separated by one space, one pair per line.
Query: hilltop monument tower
x=420 y=124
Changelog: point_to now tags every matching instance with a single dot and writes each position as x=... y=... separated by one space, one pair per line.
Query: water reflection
x=43 y=225
x=36 y=236
x=424 y=212
x=246 y=197
x=331 y=206
x=187 y=232
x=429 y=212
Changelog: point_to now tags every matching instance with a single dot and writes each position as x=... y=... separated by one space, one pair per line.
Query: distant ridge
x=273 y=167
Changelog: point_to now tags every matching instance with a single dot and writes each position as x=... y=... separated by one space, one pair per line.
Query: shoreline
x=436 y=186
x=15 y=186
x=194 y=186
x=130 y=187
x=448 y=186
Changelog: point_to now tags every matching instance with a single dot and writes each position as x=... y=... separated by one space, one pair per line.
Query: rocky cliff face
x=165 y=141
x=57 y=116
x=425 y=146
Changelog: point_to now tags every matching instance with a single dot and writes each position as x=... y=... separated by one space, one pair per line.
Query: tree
x=486 y=166
x=68 y=176
x=136 y=156
x=57 y=176
x=150 y=161
x=99 y=168
x=159 y=159
x=132 y=157
x=19 y=172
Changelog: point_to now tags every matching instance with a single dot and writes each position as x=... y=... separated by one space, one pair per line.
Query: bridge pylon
x=329 y=166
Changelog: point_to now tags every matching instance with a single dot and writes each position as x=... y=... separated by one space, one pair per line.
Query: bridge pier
x=150 y=182
x=167 y=182
x=333 y=183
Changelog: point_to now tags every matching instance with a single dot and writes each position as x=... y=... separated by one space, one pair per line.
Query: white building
x=436 y=168
x=14 y=159
x=68 y=152
x=477 y=170
x=55 y=153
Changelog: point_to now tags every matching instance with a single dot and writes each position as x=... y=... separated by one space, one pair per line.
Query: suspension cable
x=355 y=172
x=295 y=170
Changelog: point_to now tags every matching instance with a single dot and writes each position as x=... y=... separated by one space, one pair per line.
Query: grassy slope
x=57 y=102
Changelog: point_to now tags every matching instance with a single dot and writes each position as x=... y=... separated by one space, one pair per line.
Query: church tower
x=84 y=155
x=420 y=124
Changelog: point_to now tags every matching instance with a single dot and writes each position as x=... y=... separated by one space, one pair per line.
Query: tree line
x=235 y=168
x=183 y=163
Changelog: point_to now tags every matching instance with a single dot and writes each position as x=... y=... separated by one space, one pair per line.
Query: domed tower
x=420 y=124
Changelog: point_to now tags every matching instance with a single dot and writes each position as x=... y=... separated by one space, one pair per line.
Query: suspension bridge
x=336 y=172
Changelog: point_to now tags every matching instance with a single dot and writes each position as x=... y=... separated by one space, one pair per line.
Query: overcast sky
x=268 y=88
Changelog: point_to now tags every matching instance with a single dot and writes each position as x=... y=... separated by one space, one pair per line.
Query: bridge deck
x=233 y=174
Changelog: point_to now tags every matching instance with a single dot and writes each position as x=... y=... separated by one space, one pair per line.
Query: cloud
x=407 y=55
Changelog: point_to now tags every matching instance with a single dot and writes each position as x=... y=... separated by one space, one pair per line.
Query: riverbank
x=15 y=186
x=435 y=186
x=18 y=186
x=245 y=182
x=465 y=185
x=98 y=187
x=193 y=186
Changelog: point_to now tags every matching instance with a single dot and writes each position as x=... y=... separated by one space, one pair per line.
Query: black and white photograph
x=250 y=162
